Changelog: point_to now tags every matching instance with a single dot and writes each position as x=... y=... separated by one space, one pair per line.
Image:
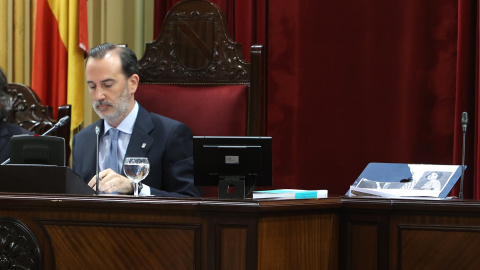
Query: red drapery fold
x=371 y=81
x=466 y=96
x=474 y=103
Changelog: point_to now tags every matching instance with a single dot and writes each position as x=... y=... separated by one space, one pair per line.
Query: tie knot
x=114 y=134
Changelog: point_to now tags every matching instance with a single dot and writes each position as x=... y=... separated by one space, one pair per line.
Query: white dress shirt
x=126 y=129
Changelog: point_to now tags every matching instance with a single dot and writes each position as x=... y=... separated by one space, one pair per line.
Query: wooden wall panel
x=446 y=236
x=365 y=246
x=232 y=242
x=411 y=234
x=107 y=235
x=438 y=247
x=364 y=239
x=156 y=246
x=233 y=247
x=298 y=242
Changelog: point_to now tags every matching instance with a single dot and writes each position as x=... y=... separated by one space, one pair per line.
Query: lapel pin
x=143 y=145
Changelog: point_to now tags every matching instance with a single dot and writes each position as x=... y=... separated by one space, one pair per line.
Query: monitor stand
x=231 y=187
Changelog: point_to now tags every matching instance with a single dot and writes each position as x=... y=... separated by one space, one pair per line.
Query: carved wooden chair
x=195 y=73
x=28 y=112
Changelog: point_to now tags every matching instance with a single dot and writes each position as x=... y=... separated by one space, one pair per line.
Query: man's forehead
x=111 y=59
x=102 y=69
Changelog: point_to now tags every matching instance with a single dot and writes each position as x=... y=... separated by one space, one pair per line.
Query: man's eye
x=108 y=85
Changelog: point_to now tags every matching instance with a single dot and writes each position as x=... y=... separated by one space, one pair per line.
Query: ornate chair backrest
x=195 y=73
x=28 y=112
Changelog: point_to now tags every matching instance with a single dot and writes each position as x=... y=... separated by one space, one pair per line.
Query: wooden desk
x=409 y=234
x=122 y=232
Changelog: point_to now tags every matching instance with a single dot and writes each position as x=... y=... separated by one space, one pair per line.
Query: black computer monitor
x=232 y=161
x=34 y=149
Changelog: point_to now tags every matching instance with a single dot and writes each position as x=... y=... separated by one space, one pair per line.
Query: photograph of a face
x=433 y=180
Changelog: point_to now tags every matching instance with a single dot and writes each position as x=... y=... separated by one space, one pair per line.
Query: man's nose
x=99 y=94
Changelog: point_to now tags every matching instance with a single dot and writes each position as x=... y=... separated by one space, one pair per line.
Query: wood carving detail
x=19 y=248
x=28 y=113
x=186 y=51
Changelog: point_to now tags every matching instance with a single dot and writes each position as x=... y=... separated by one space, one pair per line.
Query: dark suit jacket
x=7 y=130
x=165 y=142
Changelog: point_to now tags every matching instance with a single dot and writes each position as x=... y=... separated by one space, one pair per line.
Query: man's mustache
x=102 y=102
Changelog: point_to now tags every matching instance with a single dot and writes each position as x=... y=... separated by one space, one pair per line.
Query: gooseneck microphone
x=464 y=121
x=464 y=131
x=97 y=131
x=60 y=123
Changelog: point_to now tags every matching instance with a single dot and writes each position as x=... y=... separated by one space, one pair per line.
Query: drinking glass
x=136 y=169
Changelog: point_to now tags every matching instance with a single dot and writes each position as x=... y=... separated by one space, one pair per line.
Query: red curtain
x=475 y=106
x=365 y=81
x=161 y=7
x=467 y=96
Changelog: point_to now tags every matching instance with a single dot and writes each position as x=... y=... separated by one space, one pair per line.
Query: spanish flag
x=60 y=43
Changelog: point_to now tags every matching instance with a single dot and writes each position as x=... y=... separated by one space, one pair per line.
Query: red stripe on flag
x=49 y=74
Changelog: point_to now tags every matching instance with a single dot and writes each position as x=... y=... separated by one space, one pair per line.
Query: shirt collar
x=126 y=126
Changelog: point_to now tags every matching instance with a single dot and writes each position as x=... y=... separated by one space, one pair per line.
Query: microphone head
x=464 y=118
x=97 y=130
x=63 y=121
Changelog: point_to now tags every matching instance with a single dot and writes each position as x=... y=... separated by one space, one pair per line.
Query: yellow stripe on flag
x=67 y=15
x=60 y=11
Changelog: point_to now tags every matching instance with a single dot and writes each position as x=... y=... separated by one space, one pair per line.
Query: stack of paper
x=391 y=193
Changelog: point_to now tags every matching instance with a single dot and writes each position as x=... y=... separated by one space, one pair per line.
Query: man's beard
x=120 y=107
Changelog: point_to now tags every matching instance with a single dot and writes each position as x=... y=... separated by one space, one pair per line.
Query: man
x=7 y=129
x=430 y=182
x=112 y=76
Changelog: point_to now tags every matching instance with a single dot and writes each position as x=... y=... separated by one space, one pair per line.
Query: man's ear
x=133 y=83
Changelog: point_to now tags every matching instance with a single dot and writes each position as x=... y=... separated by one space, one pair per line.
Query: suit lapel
x=141 y=141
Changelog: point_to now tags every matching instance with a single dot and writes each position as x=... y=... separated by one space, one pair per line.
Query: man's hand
x=111 y=181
